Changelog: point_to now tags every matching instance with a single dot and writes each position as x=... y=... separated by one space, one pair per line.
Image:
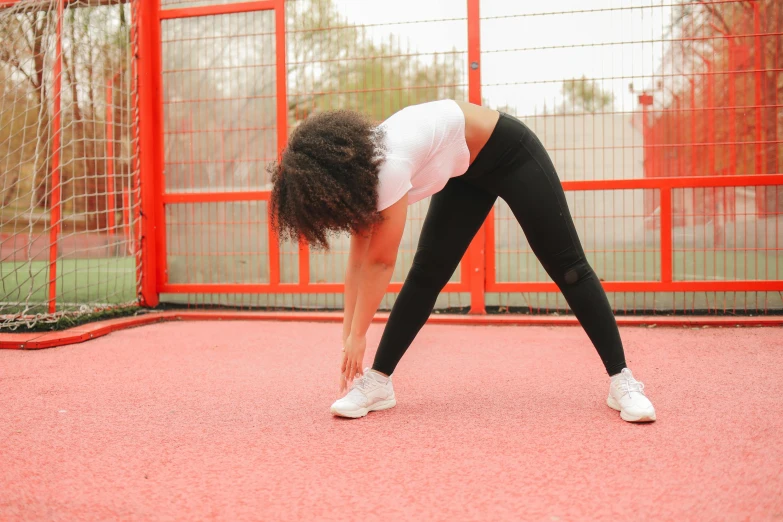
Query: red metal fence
x=662 y=120
x=671 y=144
x=629 y=166
x=653 y=250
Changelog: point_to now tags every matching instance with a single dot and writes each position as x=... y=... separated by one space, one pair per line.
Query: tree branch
x=14 y=62
x=714 y=12
x=25 y=33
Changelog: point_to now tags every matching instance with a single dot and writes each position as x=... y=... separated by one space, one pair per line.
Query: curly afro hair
x=326 y=181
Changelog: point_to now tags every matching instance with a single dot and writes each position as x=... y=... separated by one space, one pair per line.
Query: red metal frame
x=676 y=182
x=475 y=258
x=54 y=203
x=666 y=235
x=133 y=227
x=489 y=284
x=161 y=263
x=713 y=97
x=293 y=288
x=212 y=10
x=281 y=84
x=472 y=267
x=478 y=273
x=215 y=197
x=232 y=196
x=666 y=284
x=760 y=203
x=153 y=255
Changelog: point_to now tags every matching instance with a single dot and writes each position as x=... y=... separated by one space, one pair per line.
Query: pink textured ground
x=230 y=421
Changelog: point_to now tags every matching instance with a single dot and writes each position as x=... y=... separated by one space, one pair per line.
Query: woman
x=341 y=173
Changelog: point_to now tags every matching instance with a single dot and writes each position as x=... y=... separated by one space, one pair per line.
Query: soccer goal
x=69 y=160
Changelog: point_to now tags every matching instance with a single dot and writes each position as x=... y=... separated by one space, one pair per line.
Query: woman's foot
x=370 y=392
x=626 y=395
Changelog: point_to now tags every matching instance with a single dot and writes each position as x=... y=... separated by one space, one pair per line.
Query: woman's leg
x=534 y=193
x=455 y=215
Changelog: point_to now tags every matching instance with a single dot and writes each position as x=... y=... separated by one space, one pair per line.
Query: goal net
x=68 y=160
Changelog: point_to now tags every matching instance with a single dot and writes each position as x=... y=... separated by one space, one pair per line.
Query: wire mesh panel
x=710 y=245
x=620 y=91
x=220 y=131
x=68 y=162
x=219 y=102
x=611 y=226
x=340 y=54
x=361 y=55
x=625 y=97
x=222 y=242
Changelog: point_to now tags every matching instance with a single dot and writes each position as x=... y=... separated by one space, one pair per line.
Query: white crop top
x=425 y=147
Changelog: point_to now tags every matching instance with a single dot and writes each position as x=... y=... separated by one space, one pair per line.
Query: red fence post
x=646 y=131
x=648 y=138
x=134 y=223
x=475 y=255
x=694 y=150
x=149 y=147
x=711 y=194
x=760 y=191
x=666 y=235
x=732 y=111
x=281 y=94
x=126 y=216
x=110 y=153
x=711 y=119
x=54 y=201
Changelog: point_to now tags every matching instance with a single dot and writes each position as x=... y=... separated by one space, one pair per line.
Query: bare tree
x=26 y=53
x=706 y=34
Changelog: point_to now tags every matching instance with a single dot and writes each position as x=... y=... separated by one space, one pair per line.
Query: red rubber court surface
x=230 y=421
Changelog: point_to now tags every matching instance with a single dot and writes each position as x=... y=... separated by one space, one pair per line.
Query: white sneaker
x=370 y=392
x=626 y=395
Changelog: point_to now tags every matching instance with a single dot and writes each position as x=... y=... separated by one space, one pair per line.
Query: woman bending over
x=342 y=173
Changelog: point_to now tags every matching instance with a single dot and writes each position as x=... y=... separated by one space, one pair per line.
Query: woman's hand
x=353 y=356
x=377 y=266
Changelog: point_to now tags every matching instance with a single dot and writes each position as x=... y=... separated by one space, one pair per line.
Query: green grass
x=645 y=266
x=107 y=281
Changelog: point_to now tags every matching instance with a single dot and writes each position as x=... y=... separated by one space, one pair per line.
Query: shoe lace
x=629 y=384
x=363 y=384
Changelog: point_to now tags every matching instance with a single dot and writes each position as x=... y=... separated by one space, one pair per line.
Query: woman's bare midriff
x=479 y=124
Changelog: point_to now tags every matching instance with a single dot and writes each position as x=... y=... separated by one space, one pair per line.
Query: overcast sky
x=523 y=60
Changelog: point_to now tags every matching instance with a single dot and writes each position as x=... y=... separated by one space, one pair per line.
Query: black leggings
x=515 y=166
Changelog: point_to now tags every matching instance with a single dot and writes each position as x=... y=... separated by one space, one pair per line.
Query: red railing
x=666 y=283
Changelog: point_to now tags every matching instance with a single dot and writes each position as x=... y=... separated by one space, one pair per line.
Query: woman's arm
x=359 y=244
x=376 y=271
